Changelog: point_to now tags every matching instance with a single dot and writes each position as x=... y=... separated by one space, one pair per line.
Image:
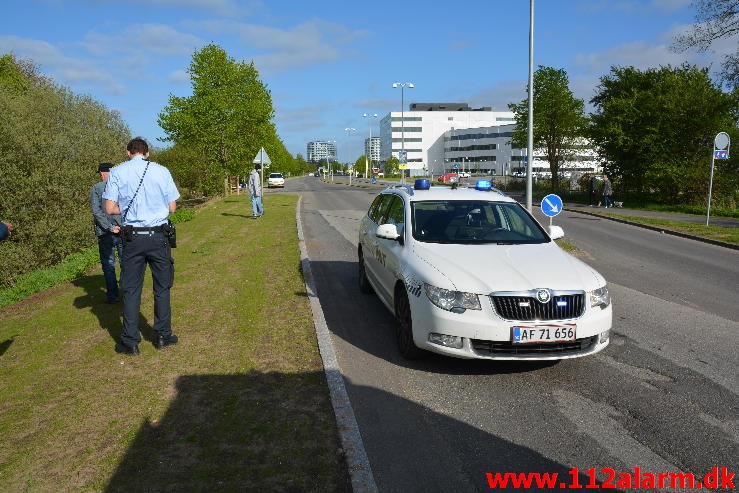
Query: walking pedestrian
x=107 y=229
x=592 y=189
x=607 y=192
x=144 y=194
x=255 y=192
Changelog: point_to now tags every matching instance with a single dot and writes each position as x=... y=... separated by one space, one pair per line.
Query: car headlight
x=600 y=297
x=452 y=301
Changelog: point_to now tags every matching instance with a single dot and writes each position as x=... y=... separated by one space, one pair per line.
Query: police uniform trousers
x=146 y=248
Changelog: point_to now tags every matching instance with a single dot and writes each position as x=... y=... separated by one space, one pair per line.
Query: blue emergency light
x=483 y=185
x=422 y=184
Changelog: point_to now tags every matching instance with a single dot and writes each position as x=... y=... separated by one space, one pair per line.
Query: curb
x=351 y=440
x=657 y=229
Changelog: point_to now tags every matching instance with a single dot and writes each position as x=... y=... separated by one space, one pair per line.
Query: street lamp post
x=403 y=154
x=349 y=131
x=369 y=121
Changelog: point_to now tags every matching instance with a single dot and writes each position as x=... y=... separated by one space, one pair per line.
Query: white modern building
x=321 y=150
x=372 y=149
x=452 y=137
x=423 y=129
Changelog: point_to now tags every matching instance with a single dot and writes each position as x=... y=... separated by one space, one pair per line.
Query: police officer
x=144 y=194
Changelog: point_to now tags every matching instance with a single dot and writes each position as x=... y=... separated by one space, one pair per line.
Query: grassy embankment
x=240 y=404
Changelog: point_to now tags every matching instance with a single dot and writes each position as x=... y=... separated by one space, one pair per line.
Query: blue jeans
x=257 y=208
x=107 y=245
x=607 y=202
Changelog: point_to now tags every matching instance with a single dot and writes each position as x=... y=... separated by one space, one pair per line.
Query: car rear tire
x=404 y=332
x=364 y=284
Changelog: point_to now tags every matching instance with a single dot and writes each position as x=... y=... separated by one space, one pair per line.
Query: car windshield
x=472 y=221
x=275 y=175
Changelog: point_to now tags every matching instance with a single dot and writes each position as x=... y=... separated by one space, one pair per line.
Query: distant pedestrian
x=607 y=192
x=5 y=230
x=144 y=194
x=255 y=192
x=107 y=229
x=592 y=189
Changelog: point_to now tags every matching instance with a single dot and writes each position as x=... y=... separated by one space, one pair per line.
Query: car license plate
x=525 y=334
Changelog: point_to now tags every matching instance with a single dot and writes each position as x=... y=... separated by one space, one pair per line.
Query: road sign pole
x=722 y=143
x=710 y=188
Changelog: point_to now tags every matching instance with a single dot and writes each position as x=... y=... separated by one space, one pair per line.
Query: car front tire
x=404 y=332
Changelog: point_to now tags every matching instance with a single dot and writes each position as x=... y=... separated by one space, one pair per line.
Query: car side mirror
x=556 y=232
x=388 y=232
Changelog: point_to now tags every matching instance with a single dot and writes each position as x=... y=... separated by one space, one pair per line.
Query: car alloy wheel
x=404 y=332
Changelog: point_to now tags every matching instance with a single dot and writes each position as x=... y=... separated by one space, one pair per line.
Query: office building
x=423 y=129
x=321 y=150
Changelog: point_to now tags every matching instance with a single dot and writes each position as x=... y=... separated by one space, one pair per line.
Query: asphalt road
x=662 y=397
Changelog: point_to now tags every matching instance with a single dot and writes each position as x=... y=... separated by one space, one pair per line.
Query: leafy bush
x=51 y=142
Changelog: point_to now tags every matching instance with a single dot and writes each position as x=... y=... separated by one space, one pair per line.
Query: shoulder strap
x=123 y=219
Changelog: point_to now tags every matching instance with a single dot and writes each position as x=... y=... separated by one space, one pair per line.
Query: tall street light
x=349 y=131
x=369 y=121
x=403 y=154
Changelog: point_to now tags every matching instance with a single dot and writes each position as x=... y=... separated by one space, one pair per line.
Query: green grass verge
x=70 y=268
x=711 y=232
x=240 y=404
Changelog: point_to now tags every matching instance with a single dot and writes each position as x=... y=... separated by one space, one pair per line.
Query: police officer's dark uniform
x=144 y=194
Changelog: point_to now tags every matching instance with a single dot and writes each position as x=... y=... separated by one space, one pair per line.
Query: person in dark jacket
x=107 y=229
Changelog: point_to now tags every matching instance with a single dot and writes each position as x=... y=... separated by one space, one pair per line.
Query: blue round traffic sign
x=551 y=205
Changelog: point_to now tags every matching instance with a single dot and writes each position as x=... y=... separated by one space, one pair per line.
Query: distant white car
x=464 y=174
x=275 y=180
x=469 y=273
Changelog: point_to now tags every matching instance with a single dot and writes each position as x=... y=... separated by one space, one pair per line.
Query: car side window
x=374 y=210
x=395 y=213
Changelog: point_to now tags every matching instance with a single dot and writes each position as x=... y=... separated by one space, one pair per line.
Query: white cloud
x=179 y=77
x=276 y=50
x=65 y=69
x=637 y=54
x=158 y=39
x=226 y=8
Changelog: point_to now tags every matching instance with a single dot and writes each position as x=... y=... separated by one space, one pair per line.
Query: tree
x=392 y=166
x=559 y=121
x=228 y=117
x=655 y=128
x=715 y=19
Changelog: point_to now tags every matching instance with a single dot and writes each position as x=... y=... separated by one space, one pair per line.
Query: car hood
x=483 y=269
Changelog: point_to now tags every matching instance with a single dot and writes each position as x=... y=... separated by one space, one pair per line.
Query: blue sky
x=327 y=62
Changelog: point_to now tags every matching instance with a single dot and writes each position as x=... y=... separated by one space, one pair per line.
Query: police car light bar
x=483 y=185
x=422 y=184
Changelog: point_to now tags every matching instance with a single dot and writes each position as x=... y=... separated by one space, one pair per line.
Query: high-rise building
x=321 y=150
x=372 y=149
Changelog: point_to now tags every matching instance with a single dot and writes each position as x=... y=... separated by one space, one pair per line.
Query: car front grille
x=505 y=348
x=528 y=308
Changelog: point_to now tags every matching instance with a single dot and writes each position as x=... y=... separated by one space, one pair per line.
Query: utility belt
x=168 y=229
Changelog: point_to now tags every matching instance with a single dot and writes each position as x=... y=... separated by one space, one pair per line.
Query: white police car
x=469 y=273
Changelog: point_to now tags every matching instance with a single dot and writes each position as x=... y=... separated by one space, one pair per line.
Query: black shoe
x=164 y=341
x=124 y=349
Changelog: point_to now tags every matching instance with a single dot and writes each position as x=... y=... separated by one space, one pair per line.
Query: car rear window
x=275 y=175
